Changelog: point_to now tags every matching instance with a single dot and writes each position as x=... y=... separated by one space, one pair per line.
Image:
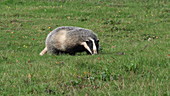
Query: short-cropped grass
x=134 y=58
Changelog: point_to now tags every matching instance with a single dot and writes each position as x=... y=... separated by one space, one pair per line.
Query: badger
x=70 y=40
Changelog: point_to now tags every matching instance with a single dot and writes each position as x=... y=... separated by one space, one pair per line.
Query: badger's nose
x=95 y=52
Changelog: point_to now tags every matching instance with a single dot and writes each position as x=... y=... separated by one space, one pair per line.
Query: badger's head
x=91 y=45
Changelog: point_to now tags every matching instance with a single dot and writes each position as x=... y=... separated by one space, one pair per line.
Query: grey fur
x=68 y=39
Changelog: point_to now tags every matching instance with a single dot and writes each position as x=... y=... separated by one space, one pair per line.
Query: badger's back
x=67 y=39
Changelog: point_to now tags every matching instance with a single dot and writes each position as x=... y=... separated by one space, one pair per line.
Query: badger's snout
x=95 y=52
x=93 y=45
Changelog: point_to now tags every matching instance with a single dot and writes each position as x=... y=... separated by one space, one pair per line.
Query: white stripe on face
x=86 y=46
x=94 y=46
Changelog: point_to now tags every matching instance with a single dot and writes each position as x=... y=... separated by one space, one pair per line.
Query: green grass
x=129 y=64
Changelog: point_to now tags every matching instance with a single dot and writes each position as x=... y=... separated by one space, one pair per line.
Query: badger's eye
x=90 y=44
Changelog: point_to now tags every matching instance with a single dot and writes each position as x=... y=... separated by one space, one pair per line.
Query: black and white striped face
x=93 y=46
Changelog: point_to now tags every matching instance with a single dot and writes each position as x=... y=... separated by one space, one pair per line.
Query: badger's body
x=68 y=39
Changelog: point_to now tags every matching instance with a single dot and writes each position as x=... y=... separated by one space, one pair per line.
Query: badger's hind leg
x=43 y=51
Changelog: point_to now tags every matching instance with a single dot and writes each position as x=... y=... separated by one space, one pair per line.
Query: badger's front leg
x=43 y=51
x=72 y=53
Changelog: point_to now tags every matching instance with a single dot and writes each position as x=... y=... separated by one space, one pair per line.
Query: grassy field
x=134 y=59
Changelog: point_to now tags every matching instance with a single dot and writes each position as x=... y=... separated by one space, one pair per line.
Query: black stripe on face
x=90 y=45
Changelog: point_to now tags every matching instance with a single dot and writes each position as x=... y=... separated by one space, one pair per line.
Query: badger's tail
x=43 y=51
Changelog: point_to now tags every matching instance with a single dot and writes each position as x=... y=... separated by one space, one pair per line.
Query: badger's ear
x=97 y=40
